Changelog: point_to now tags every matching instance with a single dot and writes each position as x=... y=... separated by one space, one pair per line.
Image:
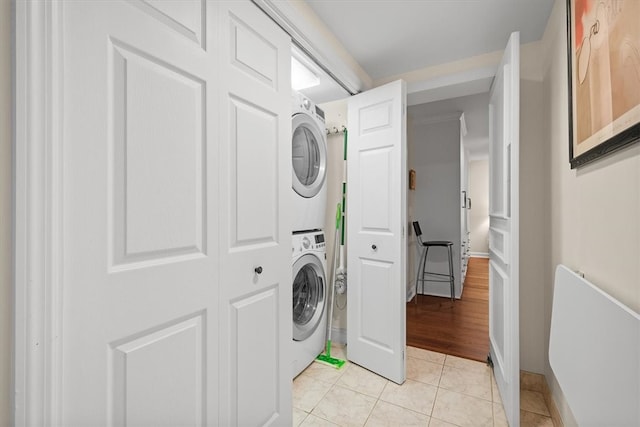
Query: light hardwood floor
x=460 y=328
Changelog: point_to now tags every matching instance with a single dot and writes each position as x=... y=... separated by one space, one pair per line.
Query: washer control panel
x=308 y=241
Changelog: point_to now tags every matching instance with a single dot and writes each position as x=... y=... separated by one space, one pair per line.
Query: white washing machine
x=309 y=157
x=309 y=298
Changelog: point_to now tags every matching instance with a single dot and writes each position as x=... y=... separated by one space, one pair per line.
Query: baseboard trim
x=538 y=382
x=440 y=294
x=551 y=404
x=339 y=335
x=411 y=292
x=478 y=254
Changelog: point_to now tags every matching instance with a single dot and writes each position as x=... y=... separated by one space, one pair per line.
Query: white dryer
x=309 y=158
x=309 y=298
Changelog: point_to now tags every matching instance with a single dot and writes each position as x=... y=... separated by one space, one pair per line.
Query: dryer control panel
x=301 y=102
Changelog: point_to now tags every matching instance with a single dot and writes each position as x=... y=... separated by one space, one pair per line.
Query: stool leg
x=424 y=265
x=451 y=280
x=422 y=254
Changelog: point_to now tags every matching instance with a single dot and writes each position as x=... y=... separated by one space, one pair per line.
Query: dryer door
x=309 y=155
x=308 y=295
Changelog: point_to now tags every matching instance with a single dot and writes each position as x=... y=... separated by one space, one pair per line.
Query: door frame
x=469 y=82
x=38 y=256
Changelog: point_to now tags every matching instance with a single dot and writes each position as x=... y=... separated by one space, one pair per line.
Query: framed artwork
x=604 y=77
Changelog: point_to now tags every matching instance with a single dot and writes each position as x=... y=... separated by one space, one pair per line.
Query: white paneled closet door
x=504 y=223
x=154 y=175
x=255 y=244
x=377 y=181
x=140 y=201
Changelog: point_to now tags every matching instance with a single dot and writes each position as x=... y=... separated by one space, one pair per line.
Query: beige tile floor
x=440 y=391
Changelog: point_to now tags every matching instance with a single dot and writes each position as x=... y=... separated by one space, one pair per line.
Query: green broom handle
x=344 y=188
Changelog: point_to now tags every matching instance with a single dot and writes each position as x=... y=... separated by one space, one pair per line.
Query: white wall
x=594 y=210
x=412 y=252
x=479 y=213
x=6 y=293
x=335 y=116
x=435 y=156
x=533 y=223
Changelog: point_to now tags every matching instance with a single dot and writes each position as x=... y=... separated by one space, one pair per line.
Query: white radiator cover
x=594 y=351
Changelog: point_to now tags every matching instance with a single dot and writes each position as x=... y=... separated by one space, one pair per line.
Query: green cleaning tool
x=326 y=357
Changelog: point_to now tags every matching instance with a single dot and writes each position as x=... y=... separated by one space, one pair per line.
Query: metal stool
x=423 y=261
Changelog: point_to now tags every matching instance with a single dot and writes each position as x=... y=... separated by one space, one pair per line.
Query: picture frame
x=603 y=46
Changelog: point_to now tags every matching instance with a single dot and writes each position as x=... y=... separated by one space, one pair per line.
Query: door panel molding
x=136 y=168
x=246 y=41
x=250 y=339
x=182 y=339
x=499 y=279
x=161 y=11
x=246 y=121
x=499 y=244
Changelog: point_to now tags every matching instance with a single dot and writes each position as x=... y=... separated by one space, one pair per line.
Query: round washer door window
x=309 y=156
x=308 y=296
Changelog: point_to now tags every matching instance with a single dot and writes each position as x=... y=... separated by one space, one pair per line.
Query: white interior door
x=376 y=200
x=140 y=214
x=504 y=316
x=255 y=241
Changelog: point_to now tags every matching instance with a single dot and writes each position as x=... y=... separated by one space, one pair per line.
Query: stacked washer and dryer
x=309 y=156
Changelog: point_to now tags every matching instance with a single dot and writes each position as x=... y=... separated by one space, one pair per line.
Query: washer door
x=309 y=155
x=308 y=296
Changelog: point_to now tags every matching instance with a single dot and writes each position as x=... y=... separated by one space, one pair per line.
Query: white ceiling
x=390 y=37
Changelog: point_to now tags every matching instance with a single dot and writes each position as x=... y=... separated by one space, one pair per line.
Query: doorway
x=448 y=149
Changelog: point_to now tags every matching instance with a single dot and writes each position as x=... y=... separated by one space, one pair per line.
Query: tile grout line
x=378 y=398
x=374 y=406
x=435 y=399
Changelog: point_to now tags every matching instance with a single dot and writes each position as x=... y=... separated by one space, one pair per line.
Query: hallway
x=459 y=329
